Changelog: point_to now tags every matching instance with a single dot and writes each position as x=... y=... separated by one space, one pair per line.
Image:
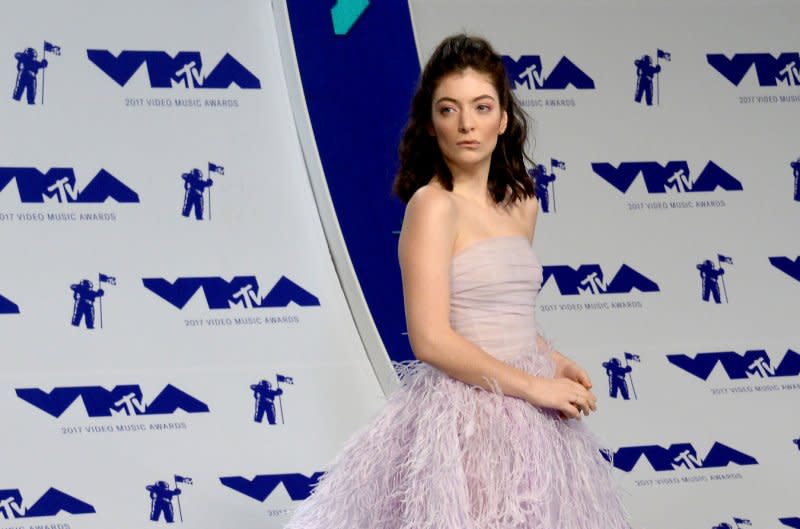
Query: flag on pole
x=108 y=279
x=52 y=48
x=558 y=163
x=635 y=358
x=741 y=521
x=724 y=259
x=285 y=379
x=214 y=168
x=664 y=55
x=183 y=479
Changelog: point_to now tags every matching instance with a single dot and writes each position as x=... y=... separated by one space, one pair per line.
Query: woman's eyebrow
x=446 y=98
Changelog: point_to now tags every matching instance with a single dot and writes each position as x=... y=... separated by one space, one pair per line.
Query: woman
x=482 y=434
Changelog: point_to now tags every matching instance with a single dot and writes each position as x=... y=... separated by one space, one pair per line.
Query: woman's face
x=467 y=118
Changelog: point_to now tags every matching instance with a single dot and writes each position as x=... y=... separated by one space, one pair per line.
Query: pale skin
x=466 y=122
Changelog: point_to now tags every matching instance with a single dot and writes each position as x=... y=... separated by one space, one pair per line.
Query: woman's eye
x=446 y=110
x=484 y=108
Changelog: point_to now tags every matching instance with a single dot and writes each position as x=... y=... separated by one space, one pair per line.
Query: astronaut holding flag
x=28 y=67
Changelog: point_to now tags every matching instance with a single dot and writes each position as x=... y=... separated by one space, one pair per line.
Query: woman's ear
x=430 y=130
x=503 y=122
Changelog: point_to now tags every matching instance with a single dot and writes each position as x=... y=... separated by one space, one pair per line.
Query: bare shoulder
x=431 y=199
x=431 y=206
x=430 y=220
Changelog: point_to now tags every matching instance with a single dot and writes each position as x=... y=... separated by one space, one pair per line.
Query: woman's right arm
x=425 y=251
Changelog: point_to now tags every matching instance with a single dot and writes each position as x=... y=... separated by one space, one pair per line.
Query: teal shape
x=345 y=13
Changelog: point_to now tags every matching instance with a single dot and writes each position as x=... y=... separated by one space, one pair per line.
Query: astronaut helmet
x=708 y=263
x=615 y=362
x=30 y=52
x=267 y=383
x=86 y=283
x=163 y=484
x=646 y=59
x=197 y=173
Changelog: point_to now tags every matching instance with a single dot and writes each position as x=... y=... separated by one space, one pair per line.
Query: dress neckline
x=485 y=240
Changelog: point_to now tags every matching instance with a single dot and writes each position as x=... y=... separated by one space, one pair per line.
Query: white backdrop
x=263 y=223
x=702 y=117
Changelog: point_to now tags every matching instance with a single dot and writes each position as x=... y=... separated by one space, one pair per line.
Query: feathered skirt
x=442 y=454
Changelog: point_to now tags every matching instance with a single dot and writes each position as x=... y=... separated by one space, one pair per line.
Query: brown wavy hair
x=420 y=157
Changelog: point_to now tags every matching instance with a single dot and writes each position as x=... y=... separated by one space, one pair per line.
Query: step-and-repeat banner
x=669 y=183
x=175 y=343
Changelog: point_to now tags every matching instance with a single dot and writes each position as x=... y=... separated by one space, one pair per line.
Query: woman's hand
x=567 y=396
x=566 y=368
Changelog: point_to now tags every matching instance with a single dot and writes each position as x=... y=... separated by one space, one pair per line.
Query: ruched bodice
x=493 y=287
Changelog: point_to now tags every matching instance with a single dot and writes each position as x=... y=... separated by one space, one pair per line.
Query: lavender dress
x=446 y=455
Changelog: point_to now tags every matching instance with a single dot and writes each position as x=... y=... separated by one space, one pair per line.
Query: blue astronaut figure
x=27 y=70
x=161 y=501
x=644 y=79
x=710 y=275
x=616 y=378
x=265 y=401
x=796 y=168
x=84 y=297
x=195 y=186
x=543 y=180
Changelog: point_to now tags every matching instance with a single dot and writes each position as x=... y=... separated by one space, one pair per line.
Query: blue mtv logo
x=241 y=291
x=680 y=455
x=259 y=488
x=59 y=185
x=7 y=306
x=754 y=363
x=793 y=521
x=674 y=177
x=788 y=266
x=527 y=72
x=122 y=400
x=52 y=503
x=185 y=69
x=590 y=279
x=770 y=70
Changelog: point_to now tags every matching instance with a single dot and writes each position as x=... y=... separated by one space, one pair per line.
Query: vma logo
x=752 y=364
x=51 y=503
x=680 y=455
x=59 y=185
x=674 y=177
x=261 y=487
x=527 y=72
x=787 y=266
x=241 y=291
x=7 y=306
x=590 y=279
x=783 y=70
x=122 y=400
x=164 y=71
